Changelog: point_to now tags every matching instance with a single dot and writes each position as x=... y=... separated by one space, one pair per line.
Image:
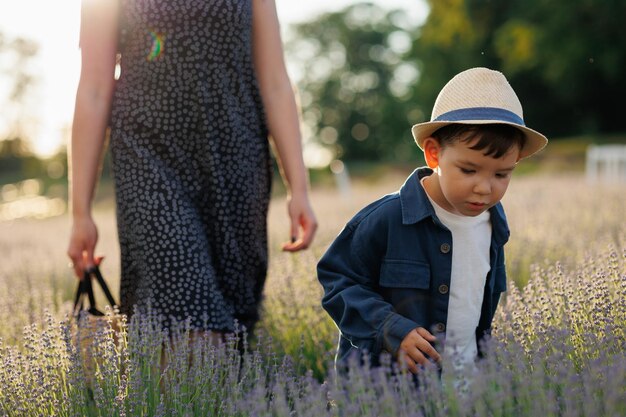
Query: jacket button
x=440 y=327
x=443 y=289
x=445 y=248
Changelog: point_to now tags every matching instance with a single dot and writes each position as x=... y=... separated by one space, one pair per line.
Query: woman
x=201 y=85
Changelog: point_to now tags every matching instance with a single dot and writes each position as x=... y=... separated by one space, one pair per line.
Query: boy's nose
x=482 y=187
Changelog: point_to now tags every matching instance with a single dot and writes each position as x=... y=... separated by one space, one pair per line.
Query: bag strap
x=95 y=271
x=80 y=290
x=85 y=287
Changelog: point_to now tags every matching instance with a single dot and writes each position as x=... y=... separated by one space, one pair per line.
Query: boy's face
x=466 y=181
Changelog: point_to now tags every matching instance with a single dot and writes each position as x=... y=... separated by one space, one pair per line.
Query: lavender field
x=558 y=347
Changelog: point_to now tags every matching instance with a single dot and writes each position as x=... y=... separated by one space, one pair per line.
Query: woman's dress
x=191 y=163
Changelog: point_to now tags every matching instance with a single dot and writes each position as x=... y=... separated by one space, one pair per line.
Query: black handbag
x=85 y=289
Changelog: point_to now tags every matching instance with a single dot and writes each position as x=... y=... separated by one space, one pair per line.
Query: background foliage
x=369 y=74
x=366 y=74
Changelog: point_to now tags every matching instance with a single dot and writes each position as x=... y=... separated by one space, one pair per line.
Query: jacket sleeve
x=349 y=272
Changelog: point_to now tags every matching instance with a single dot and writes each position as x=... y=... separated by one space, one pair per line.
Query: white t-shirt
x=471 y=240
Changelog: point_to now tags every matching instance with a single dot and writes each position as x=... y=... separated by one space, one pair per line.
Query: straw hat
x=479 y=96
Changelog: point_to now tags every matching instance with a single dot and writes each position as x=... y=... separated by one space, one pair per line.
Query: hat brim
x=535 y=141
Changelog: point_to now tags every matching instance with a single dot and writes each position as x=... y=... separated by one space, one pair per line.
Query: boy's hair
x=497 y=139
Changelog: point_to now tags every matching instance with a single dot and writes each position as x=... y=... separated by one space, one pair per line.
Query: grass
x=558 y=345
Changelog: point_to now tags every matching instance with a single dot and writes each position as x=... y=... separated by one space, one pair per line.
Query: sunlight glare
x=316 y=156
x=47 y=144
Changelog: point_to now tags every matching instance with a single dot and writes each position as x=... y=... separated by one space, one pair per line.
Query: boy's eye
x=502 y=175
x=467 y=171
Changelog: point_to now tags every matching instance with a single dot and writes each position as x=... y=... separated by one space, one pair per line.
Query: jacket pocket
x=395 y=273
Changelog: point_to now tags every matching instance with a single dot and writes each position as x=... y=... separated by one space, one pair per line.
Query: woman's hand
x=303 y=223
x=83 y=239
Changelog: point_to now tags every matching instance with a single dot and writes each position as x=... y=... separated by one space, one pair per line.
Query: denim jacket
x=388 y=272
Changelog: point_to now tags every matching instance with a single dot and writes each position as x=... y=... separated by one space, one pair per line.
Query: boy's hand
x=414 y=349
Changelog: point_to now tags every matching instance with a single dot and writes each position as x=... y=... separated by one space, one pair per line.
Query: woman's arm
x=283 y=121
x=98 y=43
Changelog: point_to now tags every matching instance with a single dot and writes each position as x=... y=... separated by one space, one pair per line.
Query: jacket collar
x=416 y=206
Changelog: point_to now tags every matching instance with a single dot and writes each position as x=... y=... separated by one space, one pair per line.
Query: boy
x=426 y=264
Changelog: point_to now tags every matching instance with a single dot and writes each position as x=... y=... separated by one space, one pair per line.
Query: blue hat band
x=481 y=113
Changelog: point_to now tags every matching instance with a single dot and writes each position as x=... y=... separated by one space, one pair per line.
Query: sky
x=54 y=26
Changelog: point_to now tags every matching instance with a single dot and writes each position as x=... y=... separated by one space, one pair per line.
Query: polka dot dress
x=191 y=163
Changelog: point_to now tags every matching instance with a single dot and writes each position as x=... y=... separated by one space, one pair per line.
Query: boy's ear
x=432 y=151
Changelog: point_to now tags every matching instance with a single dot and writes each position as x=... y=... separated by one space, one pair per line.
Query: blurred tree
x=356 y=82
x=14 y=147
x=563 y=57
x=366 y=74
x=579 y=60
x=17 y=161
x=16 y=82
